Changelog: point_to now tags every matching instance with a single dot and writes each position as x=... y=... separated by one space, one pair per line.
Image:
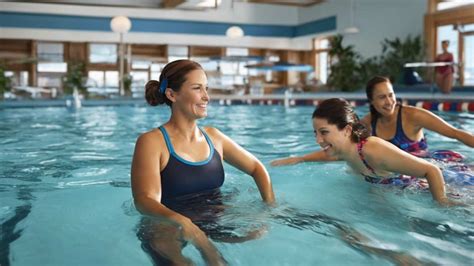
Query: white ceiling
x=179 y=4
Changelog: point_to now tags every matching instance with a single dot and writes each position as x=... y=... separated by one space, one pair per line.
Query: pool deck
x=456 y=101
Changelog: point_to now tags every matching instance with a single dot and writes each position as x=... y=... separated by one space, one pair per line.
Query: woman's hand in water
x=286 y=161
x=193 y=234
x=446 y=202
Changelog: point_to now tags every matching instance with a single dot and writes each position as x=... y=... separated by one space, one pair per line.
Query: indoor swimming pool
x=65 y=196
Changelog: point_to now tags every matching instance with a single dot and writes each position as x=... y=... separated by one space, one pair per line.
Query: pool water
x=65 y=195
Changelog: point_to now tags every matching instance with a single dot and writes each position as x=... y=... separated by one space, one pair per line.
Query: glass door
x=467 y=67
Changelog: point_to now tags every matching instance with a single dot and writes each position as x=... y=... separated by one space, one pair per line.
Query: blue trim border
x=179 y=158
x=69 y=22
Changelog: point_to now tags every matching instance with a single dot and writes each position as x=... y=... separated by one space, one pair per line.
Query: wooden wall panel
x=157 y=53
x=16 y=54
x=206 y=51
x=75 y=52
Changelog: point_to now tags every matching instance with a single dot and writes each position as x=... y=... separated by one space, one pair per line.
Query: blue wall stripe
x=320 y=25
x=51 y=21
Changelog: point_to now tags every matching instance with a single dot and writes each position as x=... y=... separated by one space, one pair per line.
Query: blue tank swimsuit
x=401 y=140
x=181 y=177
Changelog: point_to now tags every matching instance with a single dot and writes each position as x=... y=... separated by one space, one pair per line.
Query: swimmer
x=180 y=159
x=341 y=135
x=401 y=125
x=445 y=74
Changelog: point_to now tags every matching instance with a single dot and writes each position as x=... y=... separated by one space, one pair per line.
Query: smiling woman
x=341 y=135
x=177 y=170
x=403 y=125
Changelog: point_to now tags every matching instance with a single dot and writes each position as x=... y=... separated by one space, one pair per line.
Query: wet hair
x=340 y=113
x=369 y=91
x=175 y=74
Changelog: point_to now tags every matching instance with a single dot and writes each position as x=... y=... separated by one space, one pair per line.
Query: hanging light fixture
x=121 y=25
x=234 y=32
x=352 y=28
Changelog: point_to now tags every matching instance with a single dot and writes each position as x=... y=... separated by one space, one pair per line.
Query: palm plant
x=74 y=78
x=396 y=53
x=344 y=67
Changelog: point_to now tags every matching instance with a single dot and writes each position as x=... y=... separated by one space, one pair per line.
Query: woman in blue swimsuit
x=341 y=135
x=401 y=125
x=180 y=161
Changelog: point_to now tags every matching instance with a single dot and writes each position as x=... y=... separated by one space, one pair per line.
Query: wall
x=251 y=15
x=376 y=20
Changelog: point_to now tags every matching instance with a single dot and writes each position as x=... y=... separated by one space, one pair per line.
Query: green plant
x=127 y=84
x=74 y=78
x=5 y=81
x=396 y=53
x=351 y=71
x=344 y=70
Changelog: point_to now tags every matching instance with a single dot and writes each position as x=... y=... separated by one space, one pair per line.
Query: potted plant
x=344 y=66
x=74 y=79
x=396 y=53
x=5 y=81
x=127 y=84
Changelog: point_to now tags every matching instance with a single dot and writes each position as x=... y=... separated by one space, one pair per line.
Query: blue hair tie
x=163 y=86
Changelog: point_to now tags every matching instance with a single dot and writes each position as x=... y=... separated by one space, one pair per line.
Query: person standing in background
x=444 y=74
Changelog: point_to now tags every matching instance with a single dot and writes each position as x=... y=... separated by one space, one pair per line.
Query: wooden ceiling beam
x=300 y=3
x=171 y=3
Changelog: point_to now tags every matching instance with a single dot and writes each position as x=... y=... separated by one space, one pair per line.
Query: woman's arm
x=316 y=156
x=146 y=189
x=384 y=156
x=428 y=120
x=243 y=160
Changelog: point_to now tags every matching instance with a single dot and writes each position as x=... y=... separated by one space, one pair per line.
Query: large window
x=51 y=66
x=447 y=32
x=50 y=52
x=322 y=59
x=447 y=4
x=103 y=53
x=102 y=82
x=176 y=52
x=468 y=53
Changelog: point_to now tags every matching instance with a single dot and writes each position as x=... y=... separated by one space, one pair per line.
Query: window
x=176 y=52
x=96 y=79
x=447 y=4
x=51 y=66
x=447 y=32
x=103 y=53
x=49 y=80
x=207 y=65
x=50 y=52
x=101 y=79
x=156 y=71
x=141 y=64
x=111 y=79
x=237 y=51
x=18 y=78
x=322 y=59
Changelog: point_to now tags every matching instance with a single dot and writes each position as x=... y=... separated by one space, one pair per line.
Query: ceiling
x=175 y=4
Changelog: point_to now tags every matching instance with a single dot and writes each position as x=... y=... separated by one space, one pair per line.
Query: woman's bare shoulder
x=414 y=113
x=152 y=137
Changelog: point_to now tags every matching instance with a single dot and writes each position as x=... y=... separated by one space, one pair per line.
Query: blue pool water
x=65 y=194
